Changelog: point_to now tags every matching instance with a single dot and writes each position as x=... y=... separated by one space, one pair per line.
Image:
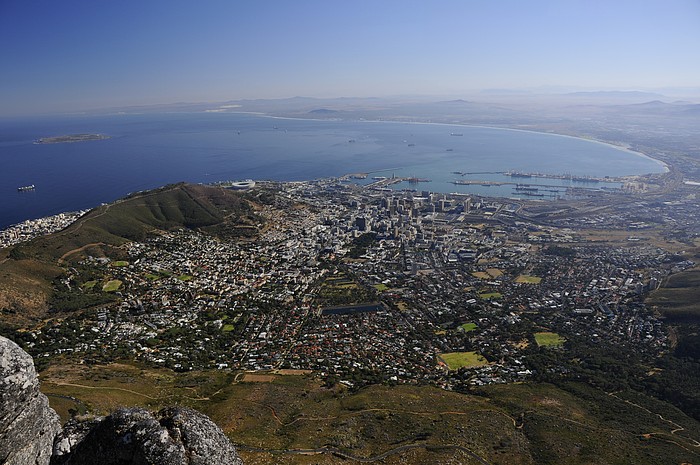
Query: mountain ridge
x=31 y=268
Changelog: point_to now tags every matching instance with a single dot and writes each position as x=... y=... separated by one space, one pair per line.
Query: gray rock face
x=27 y=424
x=134 y=436
x=73 y=433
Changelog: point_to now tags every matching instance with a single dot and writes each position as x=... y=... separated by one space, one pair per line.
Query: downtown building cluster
x=435 y=275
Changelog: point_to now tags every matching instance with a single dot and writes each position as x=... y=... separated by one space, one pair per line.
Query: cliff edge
x=31 y=433
x=27 y=424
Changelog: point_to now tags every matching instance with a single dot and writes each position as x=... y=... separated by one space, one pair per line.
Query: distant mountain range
x=616 y=94
x=498 y=99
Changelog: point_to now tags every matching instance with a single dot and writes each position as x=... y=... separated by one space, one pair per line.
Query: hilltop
x=29 y=269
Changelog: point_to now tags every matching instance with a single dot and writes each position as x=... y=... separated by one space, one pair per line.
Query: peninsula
x=71 y=138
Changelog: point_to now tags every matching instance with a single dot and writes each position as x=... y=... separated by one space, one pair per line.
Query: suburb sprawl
x=364 y=286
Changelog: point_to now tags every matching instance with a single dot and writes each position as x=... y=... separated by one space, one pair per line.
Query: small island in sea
x=71 y=138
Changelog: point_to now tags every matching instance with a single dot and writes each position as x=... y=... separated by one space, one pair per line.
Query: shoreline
x=662 y=166
x=621 y=148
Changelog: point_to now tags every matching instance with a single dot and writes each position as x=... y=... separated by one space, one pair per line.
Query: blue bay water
x=147 y=151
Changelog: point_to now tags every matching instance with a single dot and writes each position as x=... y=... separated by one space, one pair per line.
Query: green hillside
x=678 y=296
x=679 y=375
x=174 y=206
x=28 y=269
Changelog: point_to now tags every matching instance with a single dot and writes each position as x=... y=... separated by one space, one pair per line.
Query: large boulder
x=27 y=424
x=134 y=436
x=30 y=430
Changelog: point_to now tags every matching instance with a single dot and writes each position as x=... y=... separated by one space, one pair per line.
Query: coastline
x=615 y=146
x=40 y=205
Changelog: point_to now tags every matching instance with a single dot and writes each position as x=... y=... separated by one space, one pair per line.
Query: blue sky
x=72 y=54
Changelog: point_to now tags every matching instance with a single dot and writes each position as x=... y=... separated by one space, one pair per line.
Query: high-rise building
x=362 y=223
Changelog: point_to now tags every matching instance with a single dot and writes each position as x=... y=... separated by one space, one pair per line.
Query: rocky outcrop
x=31 y=434
x=27 y=424
x=134 y=436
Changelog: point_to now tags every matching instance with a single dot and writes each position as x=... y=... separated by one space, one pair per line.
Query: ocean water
x=147 y=151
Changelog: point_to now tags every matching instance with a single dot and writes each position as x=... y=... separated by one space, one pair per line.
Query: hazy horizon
x=79 y=55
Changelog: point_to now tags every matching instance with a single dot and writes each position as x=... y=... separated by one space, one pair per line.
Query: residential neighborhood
x=362 y=285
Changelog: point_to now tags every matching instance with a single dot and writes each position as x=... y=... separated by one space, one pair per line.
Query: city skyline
x=79 y=55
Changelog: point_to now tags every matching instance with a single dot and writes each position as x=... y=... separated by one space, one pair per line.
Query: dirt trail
x=106 y=388
x=676 y=427
x=79 y=249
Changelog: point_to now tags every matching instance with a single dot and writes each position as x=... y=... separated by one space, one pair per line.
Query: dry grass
x=296 y=412
x=256 y=378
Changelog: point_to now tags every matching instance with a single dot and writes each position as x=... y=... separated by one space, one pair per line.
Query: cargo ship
x=517 y=174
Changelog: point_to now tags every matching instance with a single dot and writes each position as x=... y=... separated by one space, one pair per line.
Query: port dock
x=564 y=176
x=383 y=183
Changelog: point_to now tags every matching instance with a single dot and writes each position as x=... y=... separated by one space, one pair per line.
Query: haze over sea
x=149 y=150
